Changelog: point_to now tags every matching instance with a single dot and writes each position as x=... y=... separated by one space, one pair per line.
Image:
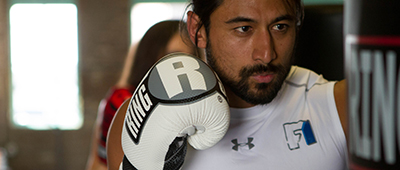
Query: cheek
x=285 y=48
x=231 y=53
x=234 y=50
x=227 y=56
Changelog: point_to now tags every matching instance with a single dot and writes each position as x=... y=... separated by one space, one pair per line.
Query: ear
x=193 y=22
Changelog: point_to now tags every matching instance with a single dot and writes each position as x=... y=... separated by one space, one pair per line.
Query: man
x=282 y=116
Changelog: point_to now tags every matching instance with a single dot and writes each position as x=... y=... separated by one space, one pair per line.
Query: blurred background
x=58 y=58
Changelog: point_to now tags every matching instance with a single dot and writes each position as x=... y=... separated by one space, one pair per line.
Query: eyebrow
x=244 y=19
x=239 y=19
x=284 y=17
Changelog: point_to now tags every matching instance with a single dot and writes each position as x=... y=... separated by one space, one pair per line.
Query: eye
x=243 y=29
x=280 y=27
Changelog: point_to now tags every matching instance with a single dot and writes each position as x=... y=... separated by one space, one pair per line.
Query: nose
x=264 y=48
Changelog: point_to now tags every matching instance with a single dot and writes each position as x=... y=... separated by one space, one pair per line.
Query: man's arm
x=114 y=148
x=340 y=92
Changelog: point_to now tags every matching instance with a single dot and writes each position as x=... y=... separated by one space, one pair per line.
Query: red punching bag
x=372 y=63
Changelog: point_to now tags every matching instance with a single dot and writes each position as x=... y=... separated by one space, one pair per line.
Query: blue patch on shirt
x=308 y=133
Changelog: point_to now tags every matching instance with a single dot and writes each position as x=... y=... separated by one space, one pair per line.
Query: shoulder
x=317 y=91
x=332 y=95
x=328 y=97
x=302 y=77
x=314 y=88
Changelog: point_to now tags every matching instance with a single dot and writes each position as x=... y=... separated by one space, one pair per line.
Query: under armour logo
x=236 y=147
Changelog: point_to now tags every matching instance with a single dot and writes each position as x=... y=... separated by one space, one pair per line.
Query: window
x=165 y=11
x=44 y=66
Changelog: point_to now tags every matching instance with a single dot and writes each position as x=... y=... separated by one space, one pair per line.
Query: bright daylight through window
x=165 y=11
x=44 y=66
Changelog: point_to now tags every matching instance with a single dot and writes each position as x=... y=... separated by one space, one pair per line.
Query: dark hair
x=204 y=9
x=151 y=48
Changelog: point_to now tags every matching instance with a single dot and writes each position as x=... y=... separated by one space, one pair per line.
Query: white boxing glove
x=180 y=98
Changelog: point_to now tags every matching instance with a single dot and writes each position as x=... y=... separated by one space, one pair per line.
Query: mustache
x=260 y=68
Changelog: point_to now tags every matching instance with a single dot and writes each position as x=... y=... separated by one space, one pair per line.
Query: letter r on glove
x=181 y=74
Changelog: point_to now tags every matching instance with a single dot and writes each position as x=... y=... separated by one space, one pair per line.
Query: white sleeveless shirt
x=299 y=129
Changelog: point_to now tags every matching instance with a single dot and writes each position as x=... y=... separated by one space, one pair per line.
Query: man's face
x=250 y=45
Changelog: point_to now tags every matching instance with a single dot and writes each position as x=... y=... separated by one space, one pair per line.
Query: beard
x=260 y=93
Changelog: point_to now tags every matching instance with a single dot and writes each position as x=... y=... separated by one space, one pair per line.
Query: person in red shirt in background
x=161 y=39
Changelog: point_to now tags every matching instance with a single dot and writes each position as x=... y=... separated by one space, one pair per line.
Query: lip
x=263 y=77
